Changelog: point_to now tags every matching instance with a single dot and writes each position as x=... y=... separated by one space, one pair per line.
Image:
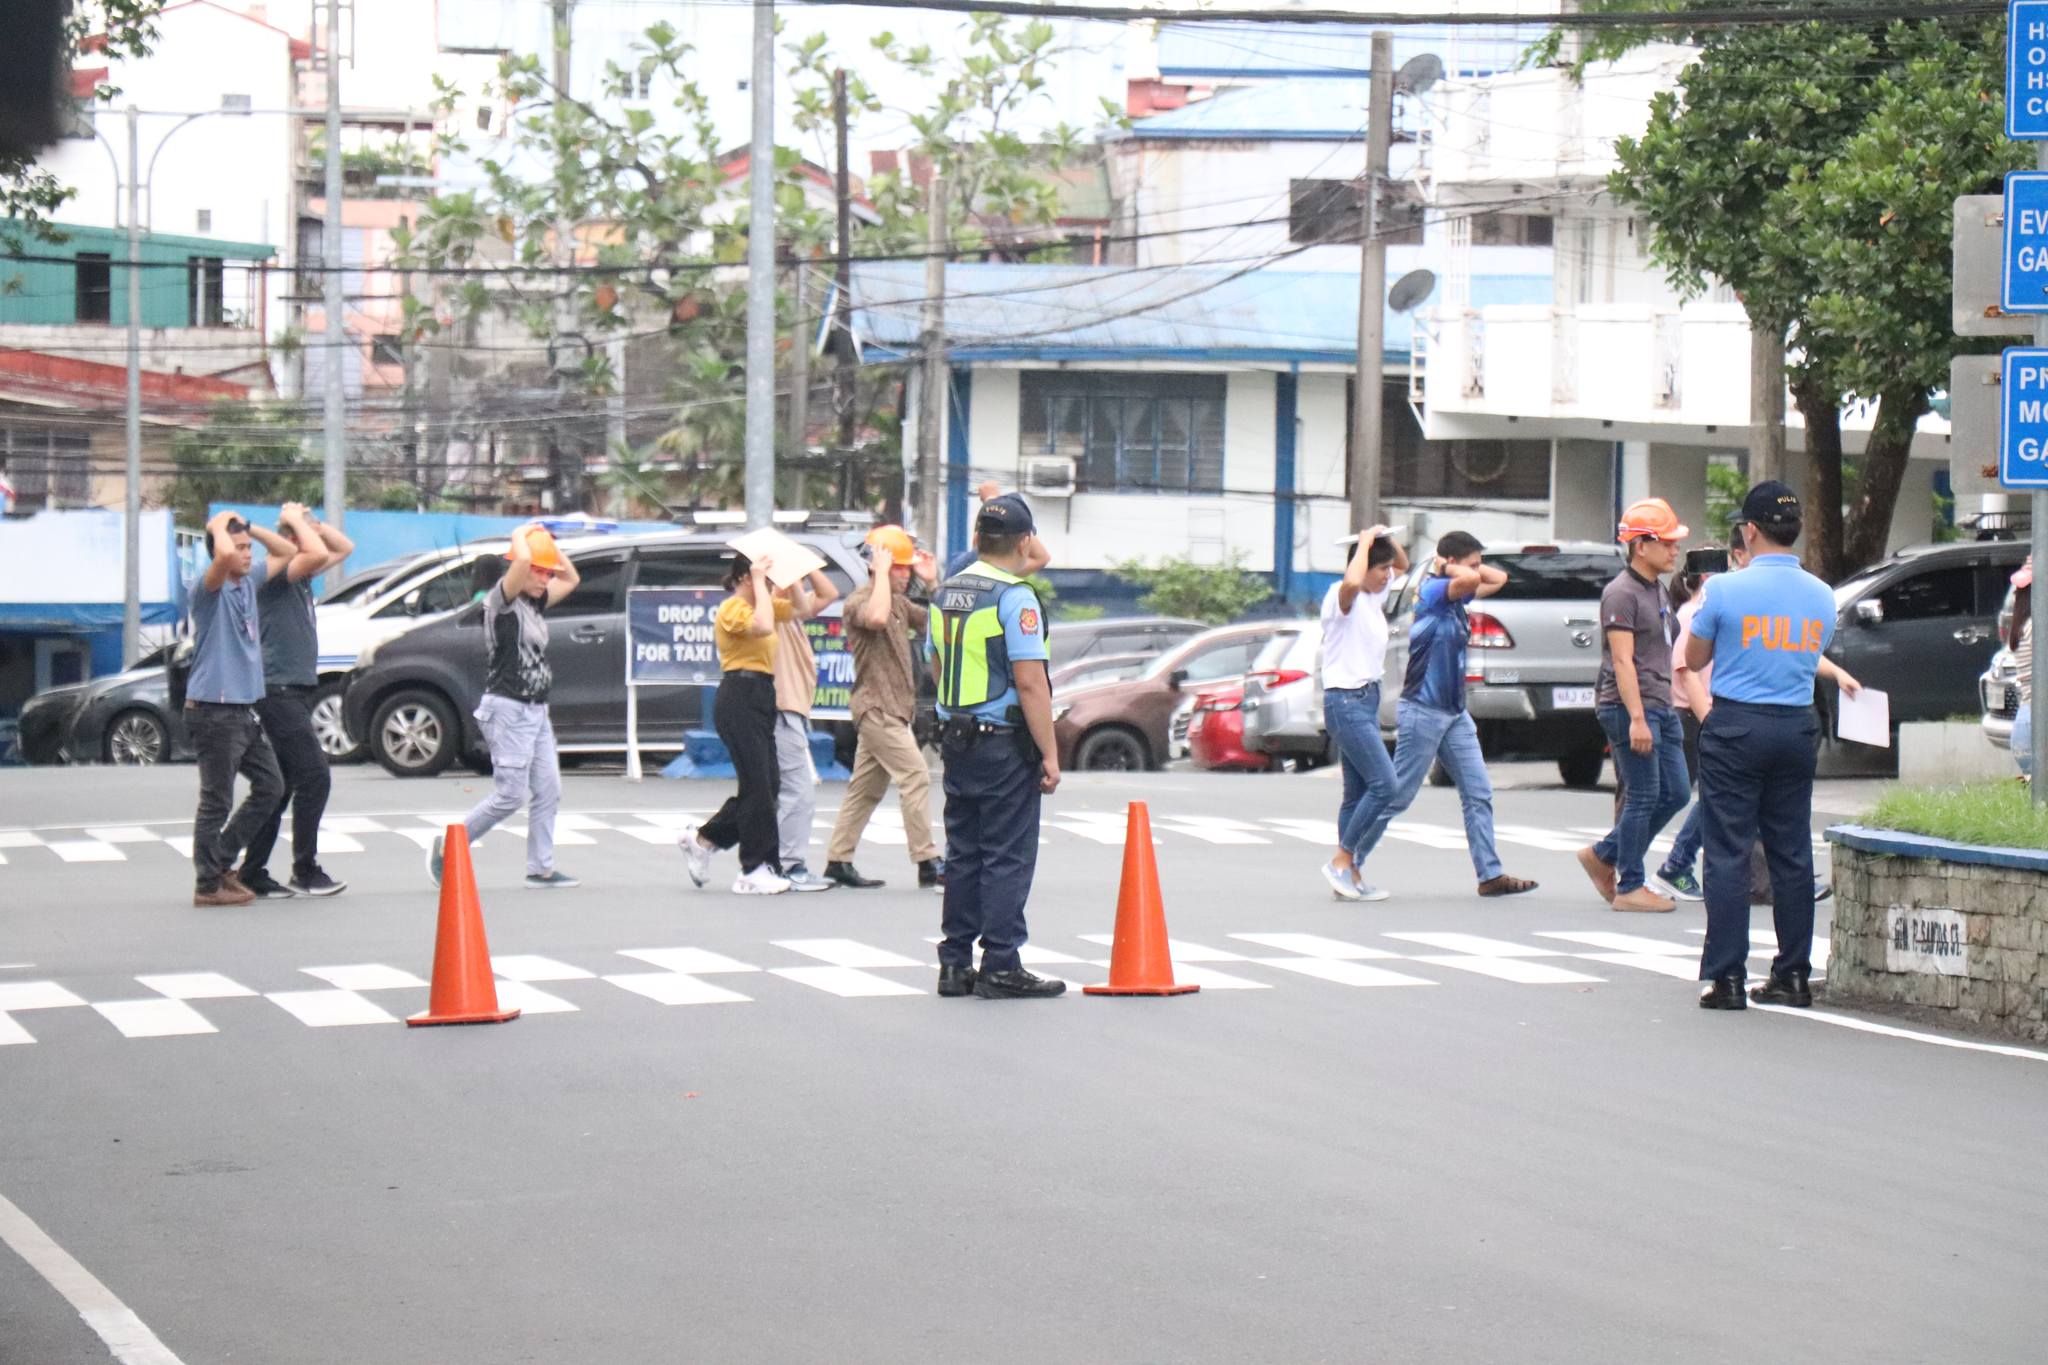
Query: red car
x=1216 y=734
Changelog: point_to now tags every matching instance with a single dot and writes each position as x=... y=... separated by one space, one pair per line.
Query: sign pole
x=633 y=773
x=2038 y=518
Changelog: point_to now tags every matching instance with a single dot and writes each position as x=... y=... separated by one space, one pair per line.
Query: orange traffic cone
x=465 y=992
x=1140 y=963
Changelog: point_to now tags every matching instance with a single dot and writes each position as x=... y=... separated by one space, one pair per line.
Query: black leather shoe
x=1792 y=989
x=956 y=981
x=931 y=875
x=1725 y=993
x=844 y=874
x=1016 y=984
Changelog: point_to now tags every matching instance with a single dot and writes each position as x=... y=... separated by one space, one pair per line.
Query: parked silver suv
x=1533 y=659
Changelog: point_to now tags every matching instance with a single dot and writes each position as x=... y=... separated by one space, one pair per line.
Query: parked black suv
x=412 y=696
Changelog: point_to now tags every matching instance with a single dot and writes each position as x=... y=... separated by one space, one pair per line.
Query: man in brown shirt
x=796 y=682
x=880 y=622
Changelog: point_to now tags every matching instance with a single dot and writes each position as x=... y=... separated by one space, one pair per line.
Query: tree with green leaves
x=1215 y=593
x=246 y=452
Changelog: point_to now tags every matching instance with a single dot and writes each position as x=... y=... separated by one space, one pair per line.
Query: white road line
x=845 y=981
x=19 y=838
x=1315 y=945
x=1429 y=836
x=844 y=952
x=333 y=841
x=86 y=851
x=1531 y=837
x=523 y=967
x=1032 y=955
x=1516 y=969
x=1180 y=949
x=123 y=834
x=350 y=824
x=570 y=819
x=650 y=834
x=1323 y=832
x=364 y=976
x=1889 y=1031
x=195 y=986
x=12 y=1032
x=181 y=843
x=1342 y=972
x=1101 y=828
x=1210 y=829
x=126 y=1336
x=421 y=837
x=1624 y=943
x=153 y=1018
x=689 y=961
x=329 y=1009
x=35 y=995
x=1764 y=943
x=673 y=988
x=518 y=995
x=1664 y=964
x=1209 y=979
x=1476 y=945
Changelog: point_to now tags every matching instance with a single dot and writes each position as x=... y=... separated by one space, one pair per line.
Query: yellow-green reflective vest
x=967 y=636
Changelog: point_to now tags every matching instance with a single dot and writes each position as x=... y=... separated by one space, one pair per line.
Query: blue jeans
x=1685 y=849
x=1657 y=789
x=2023 y=738
x=1426 y=735
x=1353 y=717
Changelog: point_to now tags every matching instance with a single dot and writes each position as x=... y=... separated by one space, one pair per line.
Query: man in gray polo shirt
x=291 y=678
x=221 y=693
x=1634 y=706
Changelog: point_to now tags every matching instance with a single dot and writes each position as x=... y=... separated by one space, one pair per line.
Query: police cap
x=1007 y=515
x=1770 y=504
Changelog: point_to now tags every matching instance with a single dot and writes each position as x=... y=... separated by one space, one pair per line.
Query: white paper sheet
x=1866 y=718
x=788 y=561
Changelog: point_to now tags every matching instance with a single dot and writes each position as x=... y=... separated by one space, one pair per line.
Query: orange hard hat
x=1651 y=518
x=546 y=554
x=895 y=542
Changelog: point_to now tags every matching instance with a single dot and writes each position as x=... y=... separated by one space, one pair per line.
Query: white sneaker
x=801 y=878
x=696 y=856
x=1341 y=882
x=1366 y=890
x=760 y=882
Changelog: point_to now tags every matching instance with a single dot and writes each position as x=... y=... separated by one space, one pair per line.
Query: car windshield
x=1850 y=588
x=1566 y=576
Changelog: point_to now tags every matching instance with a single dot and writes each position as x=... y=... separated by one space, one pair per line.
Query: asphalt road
x=1440 y=1130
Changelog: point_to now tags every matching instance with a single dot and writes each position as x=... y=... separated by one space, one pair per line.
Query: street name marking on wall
x=1927 y=939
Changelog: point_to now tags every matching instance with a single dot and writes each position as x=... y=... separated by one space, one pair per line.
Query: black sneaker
x=265 y=887
x=1793 y=988
x=1016 y=984
x=316 y=882
x=956 y=981
x=931 y=875
x=845 y=875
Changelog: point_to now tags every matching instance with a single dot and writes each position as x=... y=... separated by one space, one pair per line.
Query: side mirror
x=412 y=603
x=1870 y=612
x=1177 y=679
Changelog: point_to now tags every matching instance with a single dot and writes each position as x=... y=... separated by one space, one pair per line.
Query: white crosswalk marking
x=1476 y=945
x=1664 y=964
x=524 y=967
x=1764 y=943
x=35 y=995
x=1315 y=945
x=570 y=819
x=1532 y=837
x=421 y=837
x=1429 y=836
x=1623 y=943
x=1210 y=829
x=154 y=1018
x=195 y=986
x=674 y=988
x=1323 y=832
x=123 y=834
x=689 y=961
x=1515 y=969
x=844 y=952
x=1209 y=979
x=12 y=1032
x=1102 y=827
x=364 y=976
x=846 y=981
x=333 y=841
x=350 y=824
x=19 y=838
x=1180 y=949
x=656 y=835
x=527 y=999
x=86 y=851
x=181 y=844
x=1342 y=972
x=329 y=1009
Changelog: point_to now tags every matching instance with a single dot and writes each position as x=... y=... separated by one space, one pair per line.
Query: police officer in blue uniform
x=988 y=642
x=1763 y=631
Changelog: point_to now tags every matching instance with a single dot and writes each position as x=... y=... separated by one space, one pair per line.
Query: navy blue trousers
x=1756 y=786
x=992 y=800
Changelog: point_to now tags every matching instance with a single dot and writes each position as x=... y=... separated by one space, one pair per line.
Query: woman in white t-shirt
x=1354 y=660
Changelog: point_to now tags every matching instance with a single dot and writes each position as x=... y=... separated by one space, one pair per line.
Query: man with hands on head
x=513 y=714
x=291 y=678
x=1354 y=618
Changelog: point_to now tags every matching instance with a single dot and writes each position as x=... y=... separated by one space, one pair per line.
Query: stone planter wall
x=1953 y=929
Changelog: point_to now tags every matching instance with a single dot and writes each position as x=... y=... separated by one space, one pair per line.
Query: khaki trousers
x=888 y=753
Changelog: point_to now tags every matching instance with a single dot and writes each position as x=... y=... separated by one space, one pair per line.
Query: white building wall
x=1323 y=518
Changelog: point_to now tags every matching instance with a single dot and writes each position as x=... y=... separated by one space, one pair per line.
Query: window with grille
x=48 y=466
x=1128 y=433
x=94 y=300
x=1511 y=229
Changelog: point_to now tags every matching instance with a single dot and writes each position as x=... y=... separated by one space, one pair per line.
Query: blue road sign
x=2023 y=438
x=2026 y=70
x=2023 y=275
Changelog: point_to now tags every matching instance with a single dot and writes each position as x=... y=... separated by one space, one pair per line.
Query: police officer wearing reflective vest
x=1762 y=630
x=988 y=643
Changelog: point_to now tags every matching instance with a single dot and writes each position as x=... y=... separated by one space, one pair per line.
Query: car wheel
x=331 y=728
x=1583 y=768
x=414 y=734
x=1111 y=749
x=137 y=737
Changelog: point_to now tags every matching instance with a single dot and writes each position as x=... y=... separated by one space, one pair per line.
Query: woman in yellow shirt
x=744 y=715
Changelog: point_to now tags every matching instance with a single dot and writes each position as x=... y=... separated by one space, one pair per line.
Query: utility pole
x=334 y=437
x=842 y=303
x=931 y=415
x=1372 y=293
x=131 y=502
x=1766 y=403
x=760 y=468
x=800 y=375
x=568 y=444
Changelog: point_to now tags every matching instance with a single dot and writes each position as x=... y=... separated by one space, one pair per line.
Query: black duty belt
x=961 y=729
x=289 y=689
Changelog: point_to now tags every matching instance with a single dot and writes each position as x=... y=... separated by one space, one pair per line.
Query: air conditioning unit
x=1049 y=476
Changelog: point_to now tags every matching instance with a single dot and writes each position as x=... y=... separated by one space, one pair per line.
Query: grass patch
x=1996 y=814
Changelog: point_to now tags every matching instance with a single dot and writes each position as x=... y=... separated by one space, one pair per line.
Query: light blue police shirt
x=1023 y=622
x=1768 y=625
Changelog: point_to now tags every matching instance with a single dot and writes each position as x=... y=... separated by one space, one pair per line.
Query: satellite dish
x=1419 y=73
x=1410 y=290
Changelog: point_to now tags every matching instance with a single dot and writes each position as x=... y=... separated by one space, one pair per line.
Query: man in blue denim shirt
x=1433 y=723
x=1634 y=701
x=1354 y=658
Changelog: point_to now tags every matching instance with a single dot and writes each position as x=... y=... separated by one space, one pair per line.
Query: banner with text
x=673 y=642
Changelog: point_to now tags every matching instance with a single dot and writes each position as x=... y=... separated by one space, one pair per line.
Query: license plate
x=1571 y=698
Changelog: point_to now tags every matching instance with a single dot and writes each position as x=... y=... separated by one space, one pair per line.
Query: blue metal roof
x=997 y=312
x=1293 y=110
x=1254 y=51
